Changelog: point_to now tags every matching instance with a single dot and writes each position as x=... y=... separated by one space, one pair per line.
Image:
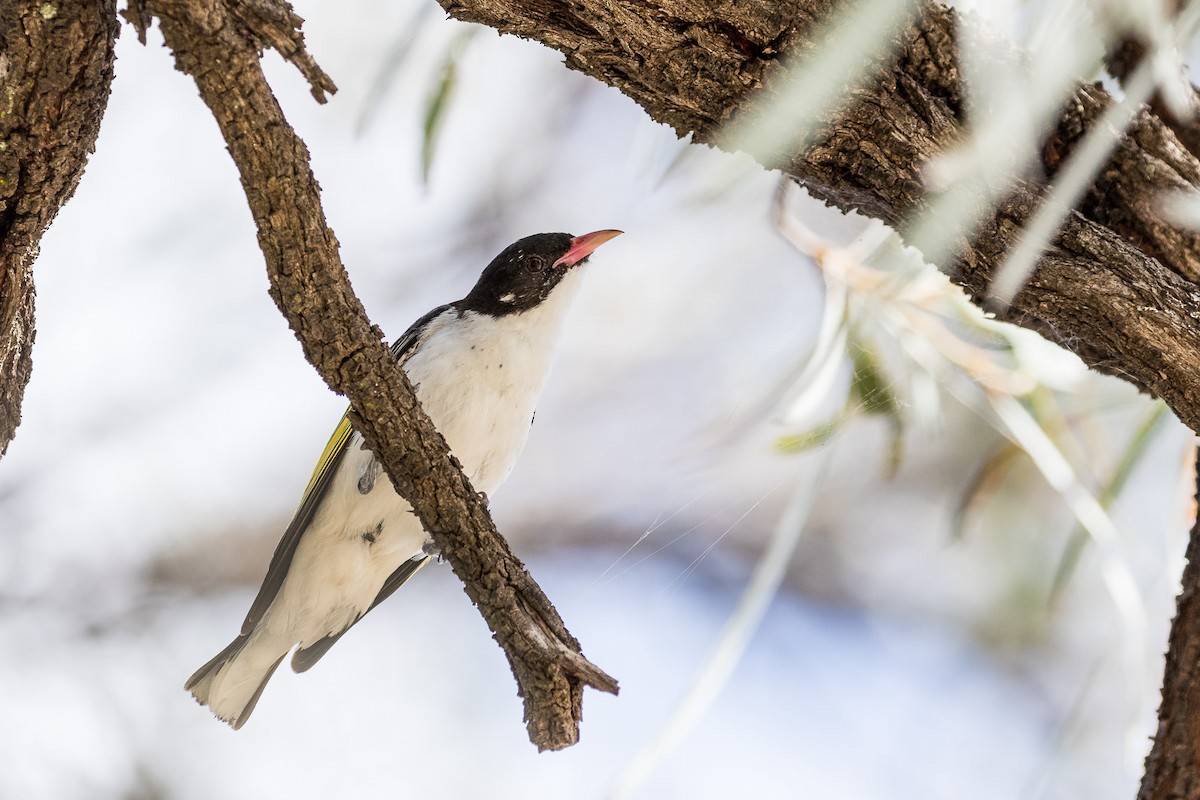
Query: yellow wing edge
x=335 y=445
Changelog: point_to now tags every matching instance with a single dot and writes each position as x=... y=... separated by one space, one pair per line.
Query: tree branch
x=1115 y=285
x=218 y=43
x=56 y=59
x=1173 y=766
x=1123 y=58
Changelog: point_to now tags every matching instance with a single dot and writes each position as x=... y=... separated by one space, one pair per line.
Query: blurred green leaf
x=813 y=437
x=1132 y=455
x=867 y=385
x=871 y=391
x=983 y=485
x=439 y=100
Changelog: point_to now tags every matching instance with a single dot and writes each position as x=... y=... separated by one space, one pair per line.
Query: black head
x=527 y=271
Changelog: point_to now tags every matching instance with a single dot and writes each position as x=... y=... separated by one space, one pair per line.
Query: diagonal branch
x=220 y=47
x=56 y=66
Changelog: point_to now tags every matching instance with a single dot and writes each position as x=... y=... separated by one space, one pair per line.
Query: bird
x=478 y=366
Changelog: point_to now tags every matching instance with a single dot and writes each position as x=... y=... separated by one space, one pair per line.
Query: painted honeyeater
x=478 y=366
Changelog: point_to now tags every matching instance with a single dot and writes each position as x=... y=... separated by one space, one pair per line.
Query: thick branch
x=56 y=67
x=1173 y=766
x=1123 y=58
x=220 y=49
x=1115 y=285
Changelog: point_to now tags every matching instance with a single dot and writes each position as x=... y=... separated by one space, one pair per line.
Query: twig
x=220 y=48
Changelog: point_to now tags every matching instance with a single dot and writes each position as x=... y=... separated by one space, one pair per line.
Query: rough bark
x=1124 y=197
x=1116 y=283
x=1173 y=766
x=56 y=68
x=218 y=43
x=1122 y=60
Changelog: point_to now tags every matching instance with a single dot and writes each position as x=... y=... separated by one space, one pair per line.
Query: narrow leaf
x=1130 y=457
x=871 y=390
x=813 y=437
x=868 y=385
x=982 y=486
x=439 y=102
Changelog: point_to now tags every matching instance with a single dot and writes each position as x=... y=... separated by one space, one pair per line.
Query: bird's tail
x=231 y=683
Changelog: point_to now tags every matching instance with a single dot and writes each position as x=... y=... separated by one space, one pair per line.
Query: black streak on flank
x=371 y=536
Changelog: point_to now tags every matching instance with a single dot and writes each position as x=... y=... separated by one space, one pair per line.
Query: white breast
x=479 y=379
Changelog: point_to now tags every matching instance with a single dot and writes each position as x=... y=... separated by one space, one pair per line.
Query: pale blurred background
x=918 y=648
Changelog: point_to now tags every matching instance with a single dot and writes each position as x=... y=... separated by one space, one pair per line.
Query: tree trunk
x=56 y=69
x=1173 y=766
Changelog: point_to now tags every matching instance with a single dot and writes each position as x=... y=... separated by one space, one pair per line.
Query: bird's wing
x=318 y=486
x=305 y=657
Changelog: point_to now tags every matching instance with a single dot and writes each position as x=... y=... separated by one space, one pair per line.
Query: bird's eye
x=535 y=263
